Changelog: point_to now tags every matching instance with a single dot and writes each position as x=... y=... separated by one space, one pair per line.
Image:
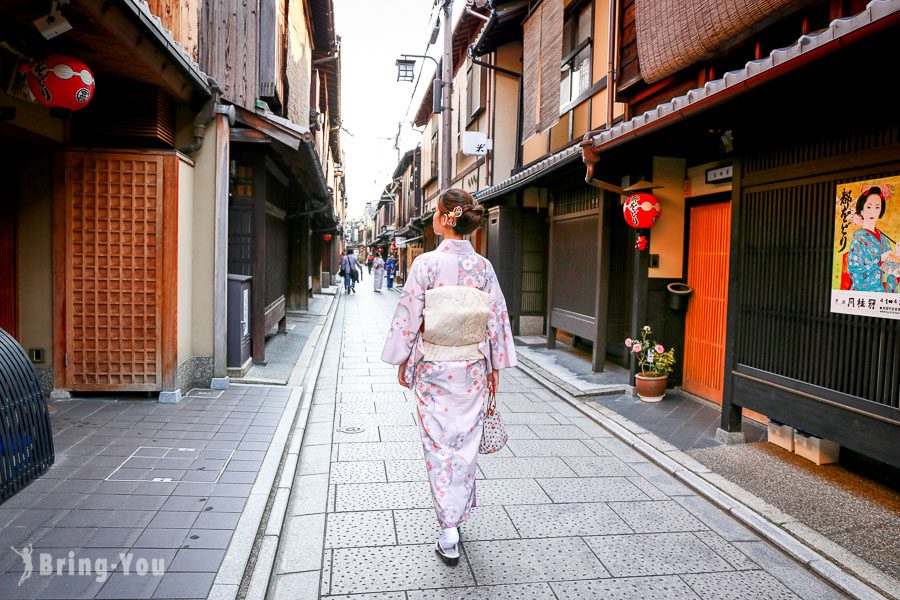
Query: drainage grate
x=351 y=429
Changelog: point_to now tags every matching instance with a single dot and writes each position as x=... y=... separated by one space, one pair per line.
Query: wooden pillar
x=303 y=262
x=640 y=266
x=551 y=331
x=258 y=296
x=731 y=412
x=601 y=308
x=220 y=269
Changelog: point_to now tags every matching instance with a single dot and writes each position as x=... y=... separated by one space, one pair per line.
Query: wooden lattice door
x=704 y=343
x=115 y=307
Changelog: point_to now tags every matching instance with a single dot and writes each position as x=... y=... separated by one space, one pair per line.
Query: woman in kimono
x=872 y=262
x=450 y=337
x=378 y=263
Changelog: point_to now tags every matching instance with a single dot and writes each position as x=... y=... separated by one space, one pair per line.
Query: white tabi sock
x=449 y=537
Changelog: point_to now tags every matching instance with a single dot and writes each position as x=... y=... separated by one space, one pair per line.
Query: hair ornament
x=458 y=211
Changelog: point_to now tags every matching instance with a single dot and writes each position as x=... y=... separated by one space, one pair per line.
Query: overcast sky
x=374 y=33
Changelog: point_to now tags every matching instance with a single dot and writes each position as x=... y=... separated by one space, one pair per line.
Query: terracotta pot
x=651 y=388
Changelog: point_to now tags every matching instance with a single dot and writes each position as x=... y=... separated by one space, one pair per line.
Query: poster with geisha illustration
x=866 y=268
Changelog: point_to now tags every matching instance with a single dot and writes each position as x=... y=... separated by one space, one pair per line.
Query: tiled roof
x=554 y=161
x=717 y=90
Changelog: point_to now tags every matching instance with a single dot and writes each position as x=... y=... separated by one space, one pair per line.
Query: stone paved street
x=564 y=511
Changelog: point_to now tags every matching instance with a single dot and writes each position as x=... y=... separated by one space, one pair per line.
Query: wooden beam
x=60 y=220
x=551 y=331
x=249 y=136
x=732 y=412
x=220 y=269
x=155 y=60
x=169 y=248
x=267 y=127
x=640 y=271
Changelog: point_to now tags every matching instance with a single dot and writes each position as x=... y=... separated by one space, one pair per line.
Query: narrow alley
x=564 y=511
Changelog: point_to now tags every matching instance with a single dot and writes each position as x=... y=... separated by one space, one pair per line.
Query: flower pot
x=650 y=388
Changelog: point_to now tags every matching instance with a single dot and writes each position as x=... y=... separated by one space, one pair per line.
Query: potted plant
x=654 y=365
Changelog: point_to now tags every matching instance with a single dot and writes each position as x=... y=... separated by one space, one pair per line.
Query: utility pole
x=447 y=98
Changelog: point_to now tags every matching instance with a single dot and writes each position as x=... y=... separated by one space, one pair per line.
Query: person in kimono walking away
x=391 y=268
x=349 y=265
x=450 y=336
x=378 y=264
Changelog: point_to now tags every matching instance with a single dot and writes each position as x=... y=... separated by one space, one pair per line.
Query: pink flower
x=628 y=342
x=637 y=348
x=659 y=349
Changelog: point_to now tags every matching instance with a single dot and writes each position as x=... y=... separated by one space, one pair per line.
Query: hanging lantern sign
x=326 y=237
x=642 y=210
x=60 y=82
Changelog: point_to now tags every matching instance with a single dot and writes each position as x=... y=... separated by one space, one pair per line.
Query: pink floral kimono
x=450 y=394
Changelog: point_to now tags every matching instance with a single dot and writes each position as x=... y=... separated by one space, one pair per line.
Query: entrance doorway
x=704 y=344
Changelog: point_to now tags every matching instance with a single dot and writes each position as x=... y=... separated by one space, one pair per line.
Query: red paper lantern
x=642 y=210
x=60 y=82
x=326 y=237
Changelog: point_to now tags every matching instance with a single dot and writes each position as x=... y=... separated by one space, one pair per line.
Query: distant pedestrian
x=391 y=268
x=451 y=358
x=369 y=261
x=378 y=263
x=349 y=266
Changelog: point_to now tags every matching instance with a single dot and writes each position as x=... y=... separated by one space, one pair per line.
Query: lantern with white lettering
x=642 y=210
x=60 y=82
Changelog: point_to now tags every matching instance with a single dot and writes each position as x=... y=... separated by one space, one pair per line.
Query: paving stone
x=406 y=470
x=648 y=488
x=369 y=471
x=184 y=585
x=533 y=560
x=208 y=538
x=743 y=585
x=598 y=466
x=591 y=489
x=510 y=491
x=656 y=516
x=161 y=538
x=383 y=496
x=519 y=432
x=559 y=432
x=633 y=588
x=301 y=544
x=309 y=495
x=526 y=591
x=295 y=586
x=376 y=420
x=196 y=560
x=380 y=451
x=561 y=520
x=390 y=568
x=528 y=418
x=403 y=433
x=419 y=526
x=549 y=448
x=662 y=480
x=129 y=587
x=655 y=554
x=779 y=565
x=366 y=528
x=376 y=596
x=523 y=467
x=716 y=519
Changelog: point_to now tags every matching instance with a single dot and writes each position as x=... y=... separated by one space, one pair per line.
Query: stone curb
x=838 y=566
x=287 y=438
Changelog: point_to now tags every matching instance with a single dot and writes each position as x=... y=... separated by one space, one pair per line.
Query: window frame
x=473 y=112
x=567 y=64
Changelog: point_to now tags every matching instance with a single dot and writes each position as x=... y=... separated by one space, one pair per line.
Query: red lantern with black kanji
x=60 y=82
x=642 y=210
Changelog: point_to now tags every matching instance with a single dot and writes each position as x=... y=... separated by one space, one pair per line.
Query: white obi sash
x=455 y=323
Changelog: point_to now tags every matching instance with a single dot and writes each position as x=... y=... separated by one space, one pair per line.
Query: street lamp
x=405 y=69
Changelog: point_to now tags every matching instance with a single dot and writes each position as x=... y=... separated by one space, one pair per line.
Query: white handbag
x=493 y=437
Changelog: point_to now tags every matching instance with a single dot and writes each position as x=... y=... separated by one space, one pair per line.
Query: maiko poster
x=866 y=268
